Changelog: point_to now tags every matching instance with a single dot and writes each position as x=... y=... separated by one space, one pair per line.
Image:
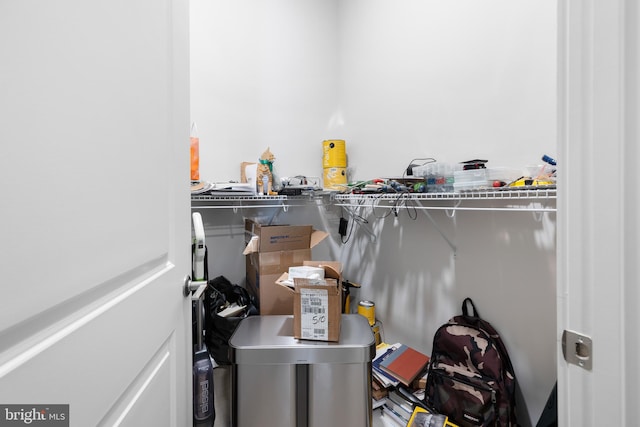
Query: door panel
x=145 y=402
x=598 y=213
x=95 y=209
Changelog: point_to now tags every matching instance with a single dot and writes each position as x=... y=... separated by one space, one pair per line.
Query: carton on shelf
x=270 y=250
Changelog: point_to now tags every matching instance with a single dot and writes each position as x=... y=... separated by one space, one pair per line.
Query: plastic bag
x=220 y=294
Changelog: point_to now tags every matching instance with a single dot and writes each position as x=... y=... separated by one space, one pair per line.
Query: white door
x=94 y=211
x=599 y=212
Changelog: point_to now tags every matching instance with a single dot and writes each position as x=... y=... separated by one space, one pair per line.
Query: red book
x=405 y=363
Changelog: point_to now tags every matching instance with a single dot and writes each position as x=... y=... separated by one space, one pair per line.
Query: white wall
x=396 y=80
x=451 y=80
x=264 y=74
x=503 y=260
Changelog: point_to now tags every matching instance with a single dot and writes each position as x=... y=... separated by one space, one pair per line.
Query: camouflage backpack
x=471 y=378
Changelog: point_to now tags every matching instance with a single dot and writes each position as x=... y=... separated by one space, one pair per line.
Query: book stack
x=380 y=382
x=378 y=393
x=404 y=363
x=397 y=408
x=395 y=369
x=385 y=379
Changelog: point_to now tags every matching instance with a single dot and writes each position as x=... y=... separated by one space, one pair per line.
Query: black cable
x=400 y=201
x=355 y=219
x=374 y=204
x=348 y=234
x=406 y=196
x=428 y=160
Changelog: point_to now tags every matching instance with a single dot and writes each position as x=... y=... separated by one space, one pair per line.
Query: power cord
x=408 y=203
x=345 y=230
x=403 y=199
x=411 y=165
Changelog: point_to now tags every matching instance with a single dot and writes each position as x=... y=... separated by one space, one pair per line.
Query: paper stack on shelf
x=222 y=188
x=200 y=187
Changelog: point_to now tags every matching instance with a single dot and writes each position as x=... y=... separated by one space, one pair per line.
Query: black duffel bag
x=220 y=294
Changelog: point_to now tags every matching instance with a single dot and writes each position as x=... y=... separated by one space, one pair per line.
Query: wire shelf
x=481 y=194
x=542 y=199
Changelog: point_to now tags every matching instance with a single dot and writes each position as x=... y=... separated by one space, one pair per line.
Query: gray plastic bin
x=279 y=381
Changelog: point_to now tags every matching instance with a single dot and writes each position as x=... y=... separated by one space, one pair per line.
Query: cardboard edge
x=253 y=246
x=334 y=267
x=317 y=236
x=281 y=281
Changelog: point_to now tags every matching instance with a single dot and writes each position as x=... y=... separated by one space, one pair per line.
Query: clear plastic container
x=471 y=175
x=472 y=179
x=438 y=176
x=470 y=186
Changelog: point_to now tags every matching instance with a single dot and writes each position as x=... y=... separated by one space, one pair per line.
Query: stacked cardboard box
x=270 y=251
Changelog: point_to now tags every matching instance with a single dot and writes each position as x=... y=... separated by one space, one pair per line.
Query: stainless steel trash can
x=279 y=381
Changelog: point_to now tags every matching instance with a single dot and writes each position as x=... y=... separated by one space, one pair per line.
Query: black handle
x=465 y=311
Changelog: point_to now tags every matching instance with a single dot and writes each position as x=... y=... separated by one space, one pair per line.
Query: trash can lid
x=263 y=340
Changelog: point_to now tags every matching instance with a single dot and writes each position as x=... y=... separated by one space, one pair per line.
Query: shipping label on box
x=314 y=308
x=317 y=309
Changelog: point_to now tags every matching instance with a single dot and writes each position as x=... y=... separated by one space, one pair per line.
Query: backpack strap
x=488 y=327
x=465 y=311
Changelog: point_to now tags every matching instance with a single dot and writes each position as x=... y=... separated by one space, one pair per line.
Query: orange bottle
x=195 y=153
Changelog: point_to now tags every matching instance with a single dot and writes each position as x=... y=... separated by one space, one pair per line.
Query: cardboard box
x=272 y=238
x=270 y=251
x=301 y=271
x=332 y=270
x=317 y=309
